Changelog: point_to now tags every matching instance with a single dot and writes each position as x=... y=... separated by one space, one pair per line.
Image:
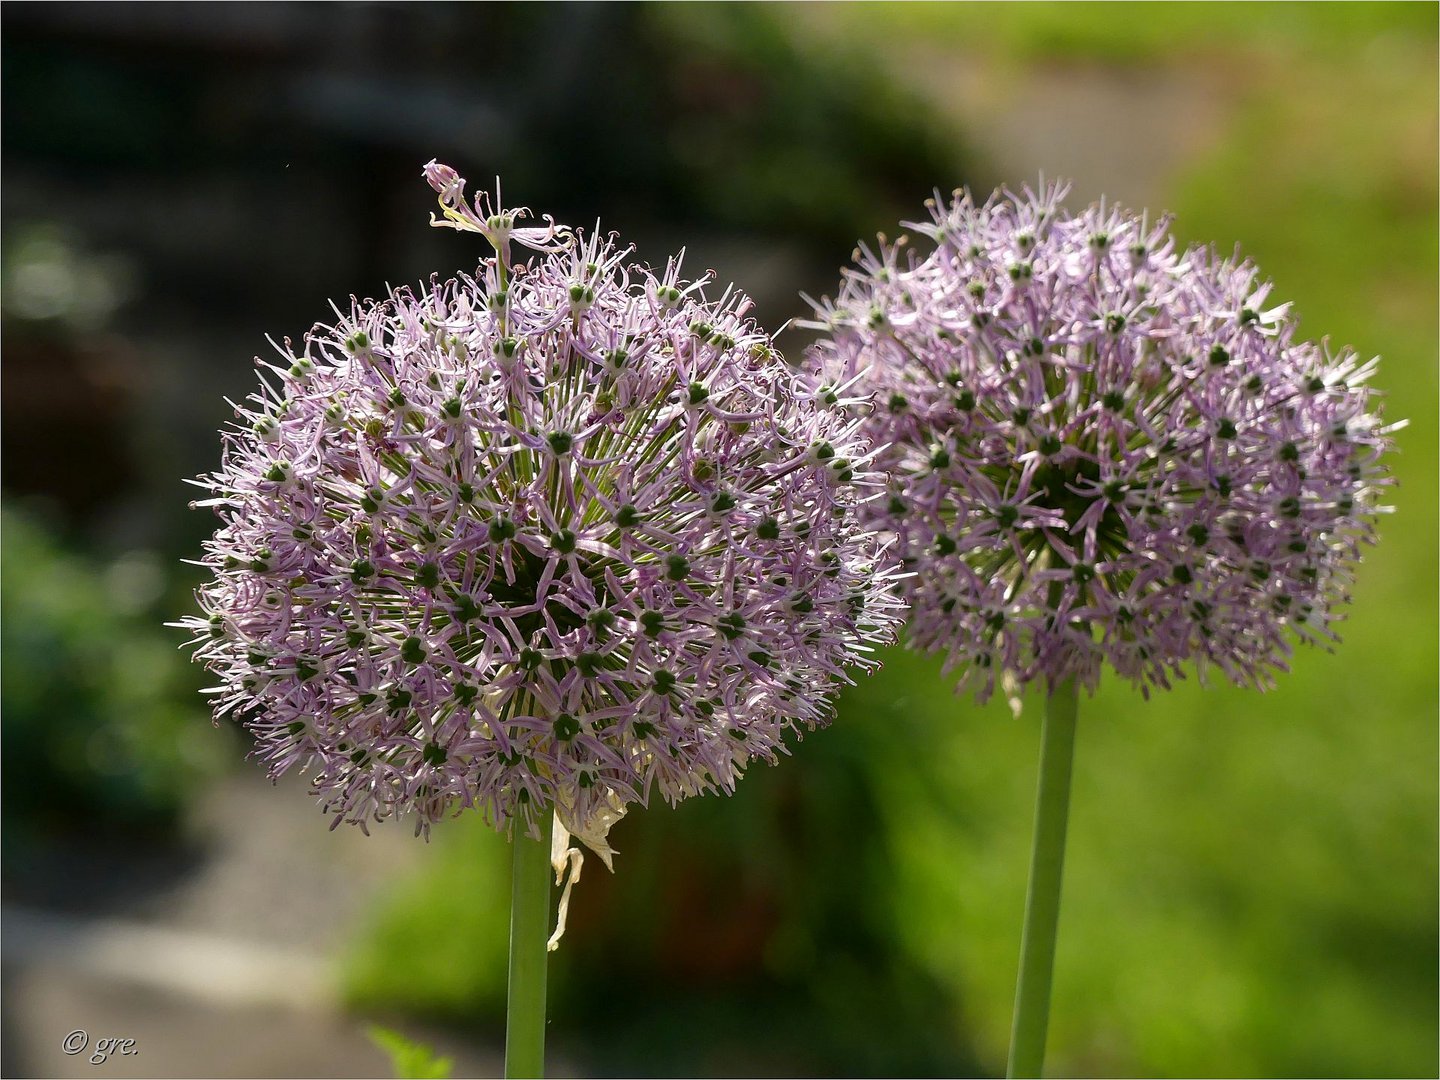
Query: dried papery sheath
x=1104 y=449
x=557 y=535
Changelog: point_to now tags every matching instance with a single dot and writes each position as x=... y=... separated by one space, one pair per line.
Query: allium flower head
x=555 y=535
x=1104 y=448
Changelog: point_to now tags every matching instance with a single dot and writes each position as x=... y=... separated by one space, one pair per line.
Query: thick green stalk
x=529 y=929
x=1042 y=899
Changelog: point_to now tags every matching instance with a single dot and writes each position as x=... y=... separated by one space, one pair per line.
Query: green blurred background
x=1252 y=879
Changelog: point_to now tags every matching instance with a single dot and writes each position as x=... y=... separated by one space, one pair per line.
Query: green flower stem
x=1042 y=899
x=529 y=930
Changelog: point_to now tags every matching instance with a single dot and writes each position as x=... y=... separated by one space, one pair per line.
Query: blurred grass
x=1144 y=32
x=1251 y=887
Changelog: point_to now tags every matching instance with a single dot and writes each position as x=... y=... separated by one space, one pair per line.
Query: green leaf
x=410 y=1060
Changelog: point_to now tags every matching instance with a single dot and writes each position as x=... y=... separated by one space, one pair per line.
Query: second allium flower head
x=552 y=536
x=1103 y=449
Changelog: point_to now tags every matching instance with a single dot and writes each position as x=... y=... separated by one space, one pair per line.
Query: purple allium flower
x=555 y=535
x=1104 y=449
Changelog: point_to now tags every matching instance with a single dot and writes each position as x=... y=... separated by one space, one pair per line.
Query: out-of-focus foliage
x=1141 y=32
x=438 y=947
x=103 y=729
x=778 y=135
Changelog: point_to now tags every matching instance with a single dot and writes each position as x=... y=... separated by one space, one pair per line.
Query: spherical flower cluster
x=1104 y=449
x=552 y=536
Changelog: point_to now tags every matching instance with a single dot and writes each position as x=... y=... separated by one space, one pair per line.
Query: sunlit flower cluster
x=555 y=535
x=1104 y=449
